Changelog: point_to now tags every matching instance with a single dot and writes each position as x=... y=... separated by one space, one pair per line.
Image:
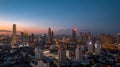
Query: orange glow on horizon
x=6 y=27
x=20 y=27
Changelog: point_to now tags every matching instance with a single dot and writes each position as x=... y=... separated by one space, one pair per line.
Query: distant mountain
x=5 y=31
x=69 y=31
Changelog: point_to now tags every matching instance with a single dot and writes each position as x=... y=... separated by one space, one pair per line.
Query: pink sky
x=21 y=27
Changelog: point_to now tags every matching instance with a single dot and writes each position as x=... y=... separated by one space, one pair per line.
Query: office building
x=89 y=36
x=14 y=34
x=74 y=35
x=78 y=53
x=38 y=53
x=90 y=46
x=61 y=54
x=97 y=47
x=50 y=36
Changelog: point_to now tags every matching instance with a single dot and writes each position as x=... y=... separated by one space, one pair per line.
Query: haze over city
x=38 y=15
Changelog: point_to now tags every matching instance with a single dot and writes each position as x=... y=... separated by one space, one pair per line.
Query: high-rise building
x=84 y=36
x=89 y=36
x=38 y=53
x=118 y=37
x=74 y=35
x=22 y=34
x=90 y=46
x=32 y=36
x=103 y=38
x=81 y=36
x=50 y=35
x=97 y=47
x=109 y=38
x=78 y=53
x=14 y=34
x=61 y=54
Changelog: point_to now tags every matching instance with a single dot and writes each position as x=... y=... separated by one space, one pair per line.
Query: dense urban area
x=85 y=49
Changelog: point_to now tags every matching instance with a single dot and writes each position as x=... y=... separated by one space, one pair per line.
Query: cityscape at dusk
x=36 y=16
x=59 y=33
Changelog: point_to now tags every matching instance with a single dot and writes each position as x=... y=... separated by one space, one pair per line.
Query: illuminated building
x=89 y=36
x=97 y=47
x=14 y=34
x=61 y=54
x=22 y=34
x=50 y=35
x=78 y=53
x=109 y=38
x=38 y=53
x=57 y=43
x=39 y=58
x=118 y=37
x=74 y=35
x=25 y=38
x=90 y=43
x=69 y=53
x=90 y=46
x=103 y=38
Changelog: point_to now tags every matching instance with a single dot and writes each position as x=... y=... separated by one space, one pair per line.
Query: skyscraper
x=74 y=35
x=84 y=36
x=90 y=46
x=81 y=36
x=50 y=35
x=103 y=38
x=61 y=54
x=78 y=53
x=14 y=34
x=97 y=47
x=89 y=36
x=32 y=35
x=118 y=37
x=109 y=39
x=38 y=53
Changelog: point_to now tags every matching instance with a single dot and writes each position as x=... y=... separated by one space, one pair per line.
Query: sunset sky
x=37 y=15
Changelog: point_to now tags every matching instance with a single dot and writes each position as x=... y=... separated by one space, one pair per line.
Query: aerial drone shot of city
x=59 y=33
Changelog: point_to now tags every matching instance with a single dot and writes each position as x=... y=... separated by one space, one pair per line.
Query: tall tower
x=61 y=54
x=89 y=36
x=14 y=34
x=90 y=46
x=78 y=53
x=103 y=38
x=50 y=35
x=97 y=47
x=74 y=35
x=32 y=37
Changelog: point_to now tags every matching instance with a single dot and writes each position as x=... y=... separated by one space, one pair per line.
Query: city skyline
x=38 y=15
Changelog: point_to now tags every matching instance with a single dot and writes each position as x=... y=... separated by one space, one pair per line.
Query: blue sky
x=95 y=15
